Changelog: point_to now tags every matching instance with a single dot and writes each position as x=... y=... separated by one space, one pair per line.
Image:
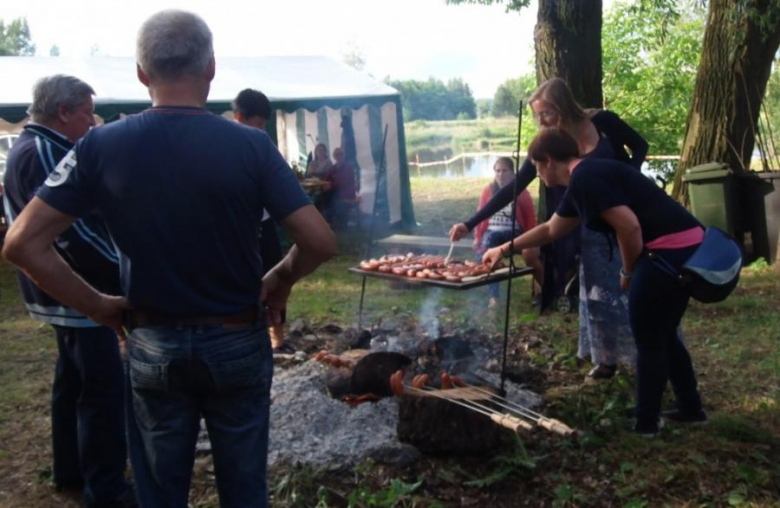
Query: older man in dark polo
x=182 y=192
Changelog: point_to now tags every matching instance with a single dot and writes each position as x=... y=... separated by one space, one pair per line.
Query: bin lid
x=709 y=171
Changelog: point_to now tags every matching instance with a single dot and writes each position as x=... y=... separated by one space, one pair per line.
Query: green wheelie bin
x=714 y=196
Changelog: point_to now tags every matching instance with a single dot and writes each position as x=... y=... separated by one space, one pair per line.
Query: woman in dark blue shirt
x=613 y=198
x=604 y=335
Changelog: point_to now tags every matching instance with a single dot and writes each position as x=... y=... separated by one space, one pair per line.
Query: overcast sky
x=403 y=39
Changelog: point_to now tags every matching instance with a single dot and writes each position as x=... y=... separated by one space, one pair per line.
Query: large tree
x=567 y=40
x=15 y=38
x=740 y=42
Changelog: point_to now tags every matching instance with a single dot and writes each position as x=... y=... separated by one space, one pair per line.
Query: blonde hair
x=558 y=94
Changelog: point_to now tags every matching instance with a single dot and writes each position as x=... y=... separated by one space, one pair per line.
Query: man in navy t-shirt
x=182 y=192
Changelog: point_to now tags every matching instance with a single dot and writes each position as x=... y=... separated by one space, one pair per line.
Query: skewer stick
x=550 y=424
x=449 y=254
x=510 y=422
x=514 y=406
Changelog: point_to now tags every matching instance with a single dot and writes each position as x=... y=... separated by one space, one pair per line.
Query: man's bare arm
x=29 y=246
x=315 y=243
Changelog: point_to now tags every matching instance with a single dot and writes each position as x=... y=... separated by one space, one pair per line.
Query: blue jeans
x=87 y=414
x=177 y=375
x=494 y=239
x=656 y=304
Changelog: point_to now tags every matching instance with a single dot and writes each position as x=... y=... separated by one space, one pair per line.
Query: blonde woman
x=604 y=335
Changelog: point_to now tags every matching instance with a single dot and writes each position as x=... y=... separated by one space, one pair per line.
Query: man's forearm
x=54 y=276
x=299 y=263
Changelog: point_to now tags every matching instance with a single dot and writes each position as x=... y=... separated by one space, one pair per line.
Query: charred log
x=372 y=373
x=438 y=427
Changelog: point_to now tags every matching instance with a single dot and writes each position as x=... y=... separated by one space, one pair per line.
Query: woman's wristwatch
x=625 y=274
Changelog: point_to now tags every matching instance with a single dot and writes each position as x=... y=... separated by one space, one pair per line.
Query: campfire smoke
x=429 y=314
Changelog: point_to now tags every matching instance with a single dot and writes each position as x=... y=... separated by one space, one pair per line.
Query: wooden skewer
x=509 y=421
x=550 y=424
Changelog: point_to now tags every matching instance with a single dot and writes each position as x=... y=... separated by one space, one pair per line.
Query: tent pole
x=379 y=171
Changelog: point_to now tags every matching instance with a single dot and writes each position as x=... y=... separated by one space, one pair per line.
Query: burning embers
x=443 y=406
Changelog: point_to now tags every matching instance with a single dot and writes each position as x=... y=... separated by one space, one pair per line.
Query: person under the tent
x=611 y=197
x=340 y=190
x=319 y=166
x=498 y=228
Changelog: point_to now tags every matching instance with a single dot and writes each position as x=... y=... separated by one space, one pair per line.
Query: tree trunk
x=567 y=38
x=735 y=65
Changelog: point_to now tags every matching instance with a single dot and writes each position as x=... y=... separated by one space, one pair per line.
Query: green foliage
x=15 y=38
x=505 y=465
x=511 y=92
x=484 y=107
x=296 y=487
x=771 y=120
x=397 y=494
x=650 y=55
x=435 y=100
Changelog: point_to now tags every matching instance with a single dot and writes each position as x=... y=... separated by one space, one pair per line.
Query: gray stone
x=297 y=326
x=391 y=324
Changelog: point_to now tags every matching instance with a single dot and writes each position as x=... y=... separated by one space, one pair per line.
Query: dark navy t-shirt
x=182 y=192
x=599 y=184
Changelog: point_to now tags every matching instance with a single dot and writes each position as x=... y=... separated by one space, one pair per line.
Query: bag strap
x=663 y=264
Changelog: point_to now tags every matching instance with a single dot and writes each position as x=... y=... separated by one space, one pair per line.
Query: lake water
x=480 y=166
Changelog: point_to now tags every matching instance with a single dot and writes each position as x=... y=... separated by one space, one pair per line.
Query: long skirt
x=605 y=332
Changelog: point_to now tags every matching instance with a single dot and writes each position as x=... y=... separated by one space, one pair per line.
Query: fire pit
x=310 y=426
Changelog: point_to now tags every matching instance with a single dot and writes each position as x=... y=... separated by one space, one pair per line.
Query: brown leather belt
x=244 y=319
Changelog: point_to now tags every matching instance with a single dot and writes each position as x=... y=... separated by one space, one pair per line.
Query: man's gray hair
x=173 y=44
x=51 y=92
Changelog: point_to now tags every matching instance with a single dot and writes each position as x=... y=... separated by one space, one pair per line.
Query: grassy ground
x=733 y=461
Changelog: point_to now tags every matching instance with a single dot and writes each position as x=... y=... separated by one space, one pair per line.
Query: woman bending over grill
x=604 y=335
x=612 y=198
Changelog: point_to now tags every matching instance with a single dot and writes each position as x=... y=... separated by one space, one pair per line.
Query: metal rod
x=380 y=169
x=511 y=250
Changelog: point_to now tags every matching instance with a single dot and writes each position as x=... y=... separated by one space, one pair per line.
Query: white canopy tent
x=311 y=97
